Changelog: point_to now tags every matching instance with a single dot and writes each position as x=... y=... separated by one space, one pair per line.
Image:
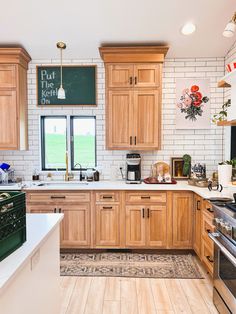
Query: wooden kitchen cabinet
x=13 y=98
x=133 y=75
x=197 y=227
x=119 y=130
x=133 y=97
x=156 y=226
x=135 y=226
x=107 y=220
x=138 y=124
x=75 y=227
x=146 y=118
x=182 y=225
x=207 y=244
x=146 y=219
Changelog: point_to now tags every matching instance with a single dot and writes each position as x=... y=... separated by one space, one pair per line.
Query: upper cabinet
x=133 y=96
x=130 y=75
x=13 y=98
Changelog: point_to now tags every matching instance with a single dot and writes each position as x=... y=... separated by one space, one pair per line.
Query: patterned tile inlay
x=129 y=265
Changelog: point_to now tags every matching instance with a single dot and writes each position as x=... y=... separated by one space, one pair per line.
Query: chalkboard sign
x=79 y=83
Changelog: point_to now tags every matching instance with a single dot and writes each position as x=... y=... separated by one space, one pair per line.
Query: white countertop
x=121 y=185
x=39 y=227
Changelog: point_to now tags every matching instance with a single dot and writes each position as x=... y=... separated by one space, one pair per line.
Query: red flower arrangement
x=192 y=102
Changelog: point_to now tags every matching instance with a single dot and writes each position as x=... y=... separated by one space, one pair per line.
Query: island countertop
x=38 y=228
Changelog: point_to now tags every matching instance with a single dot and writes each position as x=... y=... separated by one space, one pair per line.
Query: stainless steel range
x=224 y=295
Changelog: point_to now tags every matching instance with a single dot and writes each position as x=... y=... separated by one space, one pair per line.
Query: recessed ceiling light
x=188 y=29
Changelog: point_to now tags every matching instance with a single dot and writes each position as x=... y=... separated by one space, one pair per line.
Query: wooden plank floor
x=115 y=295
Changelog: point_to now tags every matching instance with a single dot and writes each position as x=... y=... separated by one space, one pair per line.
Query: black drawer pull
x=107 y=207
x=145 y=197
x=59 y=210
x=209 y=209
x=207 y=230
x=143 y=212
x=55 y=210
x=59 y=197
x=148 y=212
x=130 y=80
x=130 y=140
x=108 y=196
x=198 y=203
x=210 y=259
x=135 y=80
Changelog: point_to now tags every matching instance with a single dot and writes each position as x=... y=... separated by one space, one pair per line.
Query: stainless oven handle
x=214 y=236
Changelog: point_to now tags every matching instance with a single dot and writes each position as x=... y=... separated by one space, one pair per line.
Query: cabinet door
x=75 y=227
x=156 y=229
x=7 y=76
x=107 y=222
x=119 y=75
x=135 y=226
x=8 y=120
x=119 y=117
x=197 y=234
x=146 y=119
x=147 y=75
x=182 y=220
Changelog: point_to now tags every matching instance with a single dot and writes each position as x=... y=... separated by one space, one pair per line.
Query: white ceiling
x=86 y=24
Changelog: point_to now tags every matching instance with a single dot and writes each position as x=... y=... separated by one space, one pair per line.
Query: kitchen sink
x=61 y=184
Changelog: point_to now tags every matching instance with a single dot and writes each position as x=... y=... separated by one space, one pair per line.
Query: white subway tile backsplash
x=202 y=145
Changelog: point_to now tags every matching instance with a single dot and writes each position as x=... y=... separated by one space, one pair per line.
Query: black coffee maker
x=133 y=174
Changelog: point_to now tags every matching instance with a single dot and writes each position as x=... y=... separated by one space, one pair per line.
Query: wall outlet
x=35 y=259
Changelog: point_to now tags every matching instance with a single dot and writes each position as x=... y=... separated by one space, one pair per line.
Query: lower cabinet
x=182 y=220
x=146 y=226
x=135 y=226
x=75 y=227
x=207 y=255
x=107 y=225
x=197 y=225
x=130 y=219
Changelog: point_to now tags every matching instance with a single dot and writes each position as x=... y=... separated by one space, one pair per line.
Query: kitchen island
x=29 y=277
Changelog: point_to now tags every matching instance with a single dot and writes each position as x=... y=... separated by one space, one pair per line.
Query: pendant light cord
x=61 y=67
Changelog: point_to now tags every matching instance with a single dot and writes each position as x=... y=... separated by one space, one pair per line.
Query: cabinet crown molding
x=16 y=55
x=133 y=53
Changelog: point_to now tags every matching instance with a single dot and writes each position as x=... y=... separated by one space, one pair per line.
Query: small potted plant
x=222 y=114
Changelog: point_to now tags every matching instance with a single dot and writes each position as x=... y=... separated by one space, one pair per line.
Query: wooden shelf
x=227 y=123
x=223 y=84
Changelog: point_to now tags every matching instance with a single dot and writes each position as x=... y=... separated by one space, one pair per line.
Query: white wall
x=203 y=145
x=231 y=56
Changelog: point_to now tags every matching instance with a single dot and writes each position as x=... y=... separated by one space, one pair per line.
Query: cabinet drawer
x=41 y=209
x=207 y=226
x=145 y=197
x=208 y=257
x=58 y=197
x=207 y=208
x=107 y=197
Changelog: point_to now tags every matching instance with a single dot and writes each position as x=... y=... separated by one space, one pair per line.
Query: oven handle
x=214 y=236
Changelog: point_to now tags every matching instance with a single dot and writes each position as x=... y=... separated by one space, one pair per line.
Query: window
x=83 y=146
x=75 y=134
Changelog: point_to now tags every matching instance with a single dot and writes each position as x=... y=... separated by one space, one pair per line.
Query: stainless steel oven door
x=225 y=269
